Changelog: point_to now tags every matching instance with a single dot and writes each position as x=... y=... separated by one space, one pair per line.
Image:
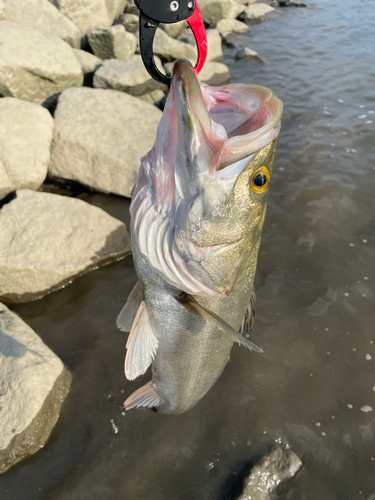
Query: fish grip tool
x=154 y=12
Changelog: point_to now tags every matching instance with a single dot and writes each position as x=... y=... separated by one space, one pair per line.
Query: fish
x=197 y=212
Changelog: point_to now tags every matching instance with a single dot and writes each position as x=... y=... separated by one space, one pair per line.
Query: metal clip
x=154 y=12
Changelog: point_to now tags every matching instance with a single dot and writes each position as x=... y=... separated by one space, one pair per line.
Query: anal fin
x=126 y=317
x=142 y=345
x=248 y=320
x=201 y=312
x=147 y=397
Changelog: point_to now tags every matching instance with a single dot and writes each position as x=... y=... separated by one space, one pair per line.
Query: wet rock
x=35 y=384
x=99 y=138
x=32 y=66
x=25 y=139
x=42 y=16
x=129 y=21
x=89 y=62
x=265 y=479
x=214 y=10
x=257 y=11
x=169 y=49
x=249 y=54
x=131 y=8
x=226 y=26
x=127 y=76
x=214 y=73
x=47 y=239
x=87 y=14
x=175 y=29
x=114 y=42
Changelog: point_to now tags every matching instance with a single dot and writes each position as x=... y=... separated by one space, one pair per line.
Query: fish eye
x=260 y=180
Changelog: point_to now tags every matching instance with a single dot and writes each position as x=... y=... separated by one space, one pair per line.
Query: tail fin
x=146 y=396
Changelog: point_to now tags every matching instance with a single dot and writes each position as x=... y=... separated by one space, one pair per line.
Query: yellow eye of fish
x=260 y=180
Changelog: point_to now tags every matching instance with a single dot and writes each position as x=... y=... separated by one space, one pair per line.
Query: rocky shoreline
x=77 y=106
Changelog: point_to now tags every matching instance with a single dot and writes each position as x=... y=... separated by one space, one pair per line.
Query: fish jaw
x=206 y=139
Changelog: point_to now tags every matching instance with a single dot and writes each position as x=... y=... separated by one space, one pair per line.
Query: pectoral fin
x=201 y=312
x=142 y=345
x=126 y=317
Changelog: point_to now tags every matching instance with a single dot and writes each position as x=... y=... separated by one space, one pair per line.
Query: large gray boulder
x=214 y=10
x=44 y=17
x=34 y=385
x=129 y=21
x=100 y=136
x=214 y=73
x=87 y=14
x=32 y=66
x=127 y=76
x=25 y=140
x=225 y=26
x=47 y=239
x=169 y=49
x=114 y=42
x=89 y=62
x=256 y=11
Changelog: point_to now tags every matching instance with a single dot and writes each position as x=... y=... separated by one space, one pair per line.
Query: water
x=313 y=387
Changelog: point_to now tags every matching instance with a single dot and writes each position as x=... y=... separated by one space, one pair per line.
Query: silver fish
x=197 y=212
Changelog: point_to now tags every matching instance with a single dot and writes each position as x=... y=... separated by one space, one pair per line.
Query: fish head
x=206 y=180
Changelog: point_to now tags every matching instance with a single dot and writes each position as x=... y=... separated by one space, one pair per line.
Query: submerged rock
x=42 y=16
x=127 y=76
x=256 y=11
x=47 y=239
x=34 y=386
x=100 y=136
x=274 y=469
x=87 y=14
x=32 y=66
x=26 y=131
x=246 y=53
x=114 y=42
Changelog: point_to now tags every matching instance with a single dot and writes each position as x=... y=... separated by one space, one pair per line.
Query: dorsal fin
x=142 y=345
x=201 y=312
x=147 y=396
x=126 y=317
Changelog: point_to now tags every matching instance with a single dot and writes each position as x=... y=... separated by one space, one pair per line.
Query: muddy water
x=314 y=386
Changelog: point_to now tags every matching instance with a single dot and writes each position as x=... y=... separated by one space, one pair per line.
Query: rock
x=42 y=16
x=214 y=45
x=257 y=11
x=89 y=62
x=2 y=10
x=265 y=478
x=247 y=53
x=155 y=97
x=114 y=42
x=25 y=139
x=99 y=138
x=87 y=14
x=175 y=29
x=127 y=76
x=247 y=2
x=240 y=9
x=226 y=26
x=169 y=49
x=214 y=10
x=131 y=8
x=129 y=21
x=214 y=73
x=35 y=384
x=32 y=66
x=47 y=239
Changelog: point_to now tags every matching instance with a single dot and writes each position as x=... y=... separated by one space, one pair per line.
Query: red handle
x=197 y=26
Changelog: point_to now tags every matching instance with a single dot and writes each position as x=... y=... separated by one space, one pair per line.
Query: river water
x=314 y=387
